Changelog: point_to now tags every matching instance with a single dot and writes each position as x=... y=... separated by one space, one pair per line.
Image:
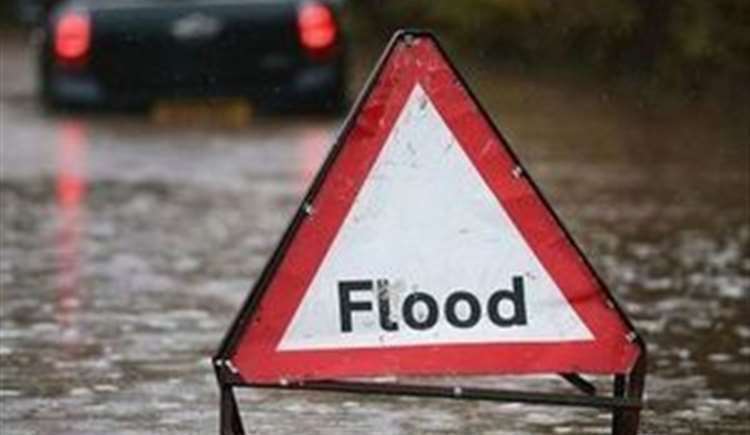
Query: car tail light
x=72 y=36
x=317 y=27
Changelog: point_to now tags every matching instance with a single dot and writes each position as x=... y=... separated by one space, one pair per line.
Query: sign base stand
x=625 y=401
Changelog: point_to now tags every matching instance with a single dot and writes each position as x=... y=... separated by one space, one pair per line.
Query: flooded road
x=129 y=244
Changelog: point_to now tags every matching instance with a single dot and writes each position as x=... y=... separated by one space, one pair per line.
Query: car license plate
x=235 y=112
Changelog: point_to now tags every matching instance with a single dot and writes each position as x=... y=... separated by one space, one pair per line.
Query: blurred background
x=149 y=161
x=696 y=48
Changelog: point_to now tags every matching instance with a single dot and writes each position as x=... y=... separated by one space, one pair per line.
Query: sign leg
x=626 y=422
x=636 y=382
x=617 y=413
x=230 y=420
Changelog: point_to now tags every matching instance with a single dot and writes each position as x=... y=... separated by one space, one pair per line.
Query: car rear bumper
x=80 y=87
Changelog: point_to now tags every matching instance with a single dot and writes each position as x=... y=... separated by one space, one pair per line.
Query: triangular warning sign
x=423 y=248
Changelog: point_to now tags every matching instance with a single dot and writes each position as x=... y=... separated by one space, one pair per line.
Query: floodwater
x=128 y=244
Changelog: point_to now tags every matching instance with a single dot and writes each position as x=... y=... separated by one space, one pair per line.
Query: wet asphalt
x=129 y=241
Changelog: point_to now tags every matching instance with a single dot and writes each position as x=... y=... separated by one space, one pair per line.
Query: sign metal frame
x=625 y=401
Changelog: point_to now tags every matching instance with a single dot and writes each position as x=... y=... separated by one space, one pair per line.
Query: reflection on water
x=71 y=197
x=314 y=143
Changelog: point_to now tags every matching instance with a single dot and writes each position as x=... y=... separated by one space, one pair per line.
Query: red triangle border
x=252 y=341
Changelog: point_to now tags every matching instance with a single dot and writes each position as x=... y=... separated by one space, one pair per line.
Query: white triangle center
x=426 y=223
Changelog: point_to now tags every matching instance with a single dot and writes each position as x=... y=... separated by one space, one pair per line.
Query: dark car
x=286 y=53
x=28 y=12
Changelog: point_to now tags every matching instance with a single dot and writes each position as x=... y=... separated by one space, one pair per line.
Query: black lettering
x=346 y=306
x=519 y=305
x=474 y=309
x=384 y=306
x=408 y=311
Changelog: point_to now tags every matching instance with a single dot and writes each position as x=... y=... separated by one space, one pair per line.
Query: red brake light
x=72 y=36
x=317 y=27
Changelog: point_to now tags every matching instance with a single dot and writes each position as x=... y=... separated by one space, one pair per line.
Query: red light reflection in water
x=314 y=144
x=70 y=196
